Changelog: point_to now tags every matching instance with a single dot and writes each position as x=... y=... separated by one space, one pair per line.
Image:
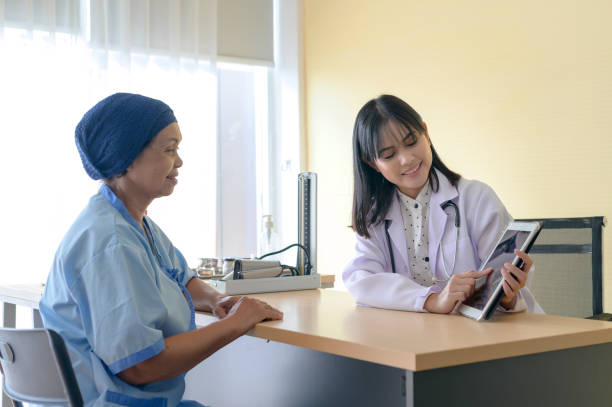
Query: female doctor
x=422 y=229
x=119 y=293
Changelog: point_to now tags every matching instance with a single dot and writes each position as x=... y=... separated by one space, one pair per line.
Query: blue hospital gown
x=113 y=299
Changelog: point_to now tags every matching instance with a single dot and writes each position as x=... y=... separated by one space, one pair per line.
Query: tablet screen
x=503 y=253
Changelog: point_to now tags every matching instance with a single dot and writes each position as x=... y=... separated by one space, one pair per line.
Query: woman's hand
x=222 y=305
x=459 y=288
x=247 y=312
x=185 y=350
x=207 y=299
x=514 y=279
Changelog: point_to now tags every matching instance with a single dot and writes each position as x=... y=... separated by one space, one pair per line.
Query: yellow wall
x=517 y=94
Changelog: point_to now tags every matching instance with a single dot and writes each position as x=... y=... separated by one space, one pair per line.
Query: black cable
x=291 y=269
x=306 y=259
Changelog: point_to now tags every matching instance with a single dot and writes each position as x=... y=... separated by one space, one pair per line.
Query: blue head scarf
x=113 y=132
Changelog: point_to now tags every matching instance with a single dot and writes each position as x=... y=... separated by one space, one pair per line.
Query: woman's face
x=154 y=172
x=404 y=158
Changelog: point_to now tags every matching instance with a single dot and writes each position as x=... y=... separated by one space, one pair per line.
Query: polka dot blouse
x=415 y=213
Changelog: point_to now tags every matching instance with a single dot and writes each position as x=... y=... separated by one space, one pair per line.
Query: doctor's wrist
x=431 y=303
x=507 y=303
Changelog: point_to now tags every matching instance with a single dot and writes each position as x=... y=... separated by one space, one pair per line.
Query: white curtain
x=57 y=59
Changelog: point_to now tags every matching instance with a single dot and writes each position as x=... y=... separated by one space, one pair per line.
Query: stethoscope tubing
x=387 y=224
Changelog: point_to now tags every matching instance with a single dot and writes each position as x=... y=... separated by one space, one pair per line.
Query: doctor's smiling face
x=404 y=157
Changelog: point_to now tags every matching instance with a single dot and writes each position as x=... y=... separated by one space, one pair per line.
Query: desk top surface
x=329 y=321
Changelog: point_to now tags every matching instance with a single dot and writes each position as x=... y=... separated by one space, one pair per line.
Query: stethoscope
x=457 y=225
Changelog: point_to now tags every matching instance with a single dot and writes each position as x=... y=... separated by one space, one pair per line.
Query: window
x=243 y=164
x=51 y=74
x=47 y=87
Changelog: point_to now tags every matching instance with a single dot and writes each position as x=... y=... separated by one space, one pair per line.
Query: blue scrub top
x=113 y=299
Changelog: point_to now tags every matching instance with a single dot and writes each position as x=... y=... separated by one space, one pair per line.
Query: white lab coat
x=369 y=278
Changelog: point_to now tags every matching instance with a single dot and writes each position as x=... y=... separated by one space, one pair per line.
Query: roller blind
x=54 y=16
x=245 y=30
x=242 y=30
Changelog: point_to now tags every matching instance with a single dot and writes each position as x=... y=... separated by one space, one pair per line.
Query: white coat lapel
x=397 y=234
x=438 y=218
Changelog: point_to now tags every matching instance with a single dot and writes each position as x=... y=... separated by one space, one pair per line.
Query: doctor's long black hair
x=372 y=193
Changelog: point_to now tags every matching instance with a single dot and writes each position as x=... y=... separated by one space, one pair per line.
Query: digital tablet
x=489 y=289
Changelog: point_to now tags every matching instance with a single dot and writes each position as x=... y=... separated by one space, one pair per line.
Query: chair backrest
x=568 y=261
x=37 y=368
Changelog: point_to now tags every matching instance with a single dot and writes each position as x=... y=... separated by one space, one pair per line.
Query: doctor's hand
x=514 y=279
x=247 y=312
x=459 y=288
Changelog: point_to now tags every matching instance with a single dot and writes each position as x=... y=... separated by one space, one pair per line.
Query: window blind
x=235 y=30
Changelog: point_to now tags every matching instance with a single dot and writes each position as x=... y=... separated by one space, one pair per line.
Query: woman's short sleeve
x=122 y=309
x=184 y=272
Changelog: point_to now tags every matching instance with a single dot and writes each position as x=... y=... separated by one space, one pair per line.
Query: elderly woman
x=119 y=293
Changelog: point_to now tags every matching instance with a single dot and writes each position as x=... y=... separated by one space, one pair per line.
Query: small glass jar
x=228 y=265
x=208 y=267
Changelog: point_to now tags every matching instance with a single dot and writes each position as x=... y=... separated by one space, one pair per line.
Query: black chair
x=37 y=368
x=568 y=263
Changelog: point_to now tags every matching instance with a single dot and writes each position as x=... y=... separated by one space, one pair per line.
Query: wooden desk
x=328 y=351
x=329 y=321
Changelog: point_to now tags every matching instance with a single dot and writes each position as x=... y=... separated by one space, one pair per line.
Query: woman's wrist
x=213 y=299
x=236 y=325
